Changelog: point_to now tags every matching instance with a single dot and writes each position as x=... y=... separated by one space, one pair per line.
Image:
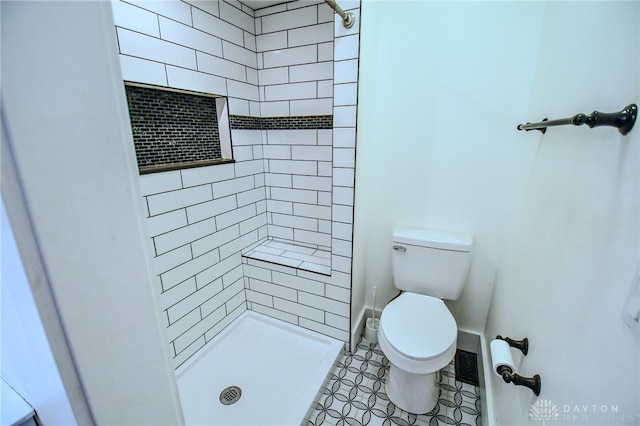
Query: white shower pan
x=279 y=368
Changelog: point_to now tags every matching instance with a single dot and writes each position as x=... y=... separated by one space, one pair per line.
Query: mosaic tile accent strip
x=172 y=127
x=242 y=122
x=355 y=395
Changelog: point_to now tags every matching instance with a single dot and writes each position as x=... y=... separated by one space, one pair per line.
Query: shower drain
x=230 y=395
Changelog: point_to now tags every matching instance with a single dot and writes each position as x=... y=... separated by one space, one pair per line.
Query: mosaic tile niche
x=172 y=127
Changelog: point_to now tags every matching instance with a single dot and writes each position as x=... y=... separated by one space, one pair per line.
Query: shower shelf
x=285 y=253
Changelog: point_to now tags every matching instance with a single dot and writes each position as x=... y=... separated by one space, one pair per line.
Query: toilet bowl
x=418 y=335
x=417 y=332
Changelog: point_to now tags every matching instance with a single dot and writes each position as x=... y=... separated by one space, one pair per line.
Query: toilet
x=417 y=332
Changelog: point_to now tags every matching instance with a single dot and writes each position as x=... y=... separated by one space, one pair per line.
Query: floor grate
x=230 y=395
x=466 y=366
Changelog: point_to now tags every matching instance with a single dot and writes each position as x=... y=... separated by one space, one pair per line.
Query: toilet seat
x=418 y=333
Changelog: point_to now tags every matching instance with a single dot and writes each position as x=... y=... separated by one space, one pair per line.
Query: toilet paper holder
x=509 y=376
x=522 y=345
x=507 y=373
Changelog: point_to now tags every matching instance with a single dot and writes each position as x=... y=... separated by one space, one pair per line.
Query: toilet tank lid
x=445 y=240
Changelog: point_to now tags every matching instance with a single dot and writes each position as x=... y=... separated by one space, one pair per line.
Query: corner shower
x=198 y=220
x=263 y=235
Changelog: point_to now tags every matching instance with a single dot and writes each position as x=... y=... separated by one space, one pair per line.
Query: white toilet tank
x=433 y=263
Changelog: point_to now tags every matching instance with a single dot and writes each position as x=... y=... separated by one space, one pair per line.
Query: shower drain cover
x=230 y=395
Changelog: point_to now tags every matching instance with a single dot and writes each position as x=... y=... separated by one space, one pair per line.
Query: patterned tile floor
x=355 y=395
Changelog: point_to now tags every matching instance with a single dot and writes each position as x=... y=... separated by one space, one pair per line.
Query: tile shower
x=289 y=73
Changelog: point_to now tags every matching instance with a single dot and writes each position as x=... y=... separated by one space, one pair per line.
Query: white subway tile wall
x=203 y=46
x=293 y=64
x=292 y=185
x=199 y=222
x=294 y=163
x=346 y=58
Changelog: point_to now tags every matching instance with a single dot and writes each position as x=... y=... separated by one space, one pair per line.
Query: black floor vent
x=467 y=367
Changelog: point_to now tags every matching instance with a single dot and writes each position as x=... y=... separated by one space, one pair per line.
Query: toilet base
x=415 y=393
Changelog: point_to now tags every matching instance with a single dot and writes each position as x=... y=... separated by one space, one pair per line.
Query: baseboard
x=486 y=395
x=473 y=342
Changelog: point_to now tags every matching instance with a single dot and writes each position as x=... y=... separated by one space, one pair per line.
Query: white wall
x=28 y=364
x=77 y=191
x=443 y=85
x=555 y=217
x=572 y=236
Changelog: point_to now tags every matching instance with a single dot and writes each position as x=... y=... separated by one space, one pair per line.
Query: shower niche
x=176 y=129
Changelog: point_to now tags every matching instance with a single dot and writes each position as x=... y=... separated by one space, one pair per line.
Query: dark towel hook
x=622 y=120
